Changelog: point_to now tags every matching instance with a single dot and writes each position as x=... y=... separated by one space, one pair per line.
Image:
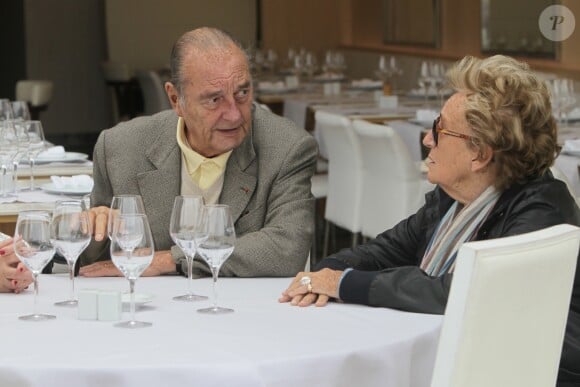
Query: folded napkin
x=426 y=115
x=72 y=182
x=365 y=82
x=571 y=146
x=266 y=86
x=54 y=151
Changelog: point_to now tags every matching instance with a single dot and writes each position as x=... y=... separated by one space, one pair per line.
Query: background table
x=263 y=343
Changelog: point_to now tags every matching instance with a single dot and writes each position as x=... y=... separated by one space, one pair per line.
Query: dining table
x=45 y=195
x=262 y=343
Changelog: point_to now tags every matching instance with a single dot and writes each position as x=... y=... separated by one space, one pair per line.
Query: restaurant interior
x=85 y=66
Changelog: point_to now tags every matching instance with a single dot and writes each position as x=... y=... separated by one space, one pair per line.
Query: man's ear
x=173 y=97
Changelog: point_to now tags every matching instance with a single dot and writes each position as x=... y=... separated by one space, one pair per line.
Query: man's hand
x=162 y=264
x=99 y=217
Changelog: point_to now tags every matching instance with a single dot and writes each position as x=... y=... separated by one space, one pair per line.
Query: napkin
x=72 y=182
x=366 y=83
x=271 y=85
x=571 y=146
x=426 y=115
x=54 y=151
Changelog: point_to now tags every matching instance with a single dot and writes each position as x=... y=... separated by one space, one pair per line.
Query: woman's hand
x=323 y=286
x=14 y=276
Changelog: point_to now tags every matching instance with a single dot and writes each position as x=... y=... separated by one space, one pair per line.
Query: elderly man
x=218 y=144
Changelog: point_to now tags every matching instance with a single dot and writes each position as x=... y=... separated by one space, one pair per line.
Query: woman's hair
x=508 y=108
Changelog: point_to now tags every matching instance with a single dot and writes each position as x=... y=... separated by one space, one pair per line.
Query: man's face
x=217 y=100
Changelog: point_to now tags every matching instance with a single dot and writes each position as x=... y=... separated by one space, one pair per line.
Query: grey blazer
x=266 y=184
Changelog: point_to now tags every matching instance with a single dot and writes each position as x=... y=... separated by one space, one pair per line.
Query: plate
x=67 y=157
x=140 y=298
x=50 y=188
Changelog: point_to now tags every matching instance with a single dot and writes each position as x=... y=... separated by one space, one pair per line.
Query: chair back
x=154 y=96
x=344 y=170
x=36 y=93
x=393 y=187
x=507 y=309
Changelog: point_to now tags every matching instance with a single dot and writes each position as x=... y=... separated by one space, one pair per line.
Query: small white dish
x=51 y=188
x=67 y=157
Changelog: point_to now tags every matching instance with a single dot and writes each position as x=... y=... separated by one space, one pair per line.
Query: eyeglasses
x=436 y=130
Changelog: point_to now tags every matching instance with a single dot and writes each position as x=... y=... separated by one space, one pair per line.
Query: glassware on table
x=21 y=111
x=8 y=152
x=132 y=252
x=23 y=146
x=124 y=204
x=6 y=112
x=71 y=234
x=33 y=246
x=35 y=146
x=86 y=199
x=184 y=229
x=215 y=245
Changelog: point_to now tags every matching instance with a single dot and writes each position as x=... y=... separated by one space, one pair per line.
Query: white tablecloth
x=263 y=343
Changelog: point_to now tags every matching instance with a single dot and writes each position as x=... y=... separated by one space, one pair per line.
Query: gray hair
x=203 y=39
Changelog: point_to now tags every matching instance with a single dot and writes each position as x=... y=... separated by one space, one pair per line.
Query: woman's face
x=453 y=162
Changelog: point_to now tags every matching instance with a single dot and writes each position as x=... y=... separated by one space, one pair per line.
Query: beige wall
x=141 y=33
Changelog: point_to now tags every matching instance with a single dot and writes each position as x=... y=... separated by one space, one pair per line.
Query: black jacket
x=386 y=269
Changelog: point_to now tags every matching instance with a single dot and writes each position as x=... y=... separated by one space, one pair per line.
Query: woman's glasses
x=437 y=129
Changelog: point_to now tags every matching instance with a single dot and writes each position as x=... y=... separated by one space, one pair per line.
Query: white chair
x=560 y=175
x=154 y=95
x=36 y=93
x=344 y=174
x=507 y=309
x=393 y=187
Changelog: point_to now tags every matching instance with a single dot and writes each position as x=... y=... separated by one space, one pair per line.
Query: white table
x=263 y=343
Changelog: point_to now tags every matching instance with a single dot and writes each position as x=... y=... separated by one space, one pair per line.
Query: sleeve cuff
x=355 y=286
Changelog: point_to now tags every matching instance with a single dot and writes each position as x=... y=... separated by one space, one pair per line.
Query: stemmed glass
x=8 y=152
x=184 y=228
x=71 y=234
x=33 y=246
x=121 y=205
x=20 y=109
x=35 y=146
x=215 y=245
x=132 y=252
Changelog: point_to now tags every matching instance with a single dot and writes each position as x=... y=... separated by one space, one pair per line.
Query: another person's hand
x=323 y=286
x=162 y=264
x=99 y=217
x=14 y=276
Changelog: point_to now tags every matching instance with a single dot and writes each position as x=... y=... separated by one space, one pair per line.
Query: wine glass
x=20 y=110
x=8 y=152
x=185 y=219
x=33 y=246
x=132 y=252
x=124 y=204
x=35 y=146
x=215 y=245
x=71 y=234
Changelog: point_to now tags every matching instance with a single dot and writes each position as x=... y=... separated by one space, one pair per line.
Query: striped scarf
x=459 y=224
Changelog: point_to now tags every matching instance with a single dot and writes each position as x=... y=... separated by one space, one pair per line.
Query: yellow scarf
x=203 y=171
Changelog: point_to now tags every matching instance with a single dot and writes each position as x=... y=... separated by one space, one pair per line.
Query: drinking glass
x=132 y=252
x=20 y=110
x=33 y=246
x=124 y=204
x=184 y=228
x=36 y=145
x=71 y=234
x=8 y=152
x=215 y=245
x=23 y=146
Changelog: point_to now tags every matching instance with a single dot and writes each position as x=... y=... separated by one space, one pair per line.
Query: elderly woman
x=490 y=154
x=14 y=276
